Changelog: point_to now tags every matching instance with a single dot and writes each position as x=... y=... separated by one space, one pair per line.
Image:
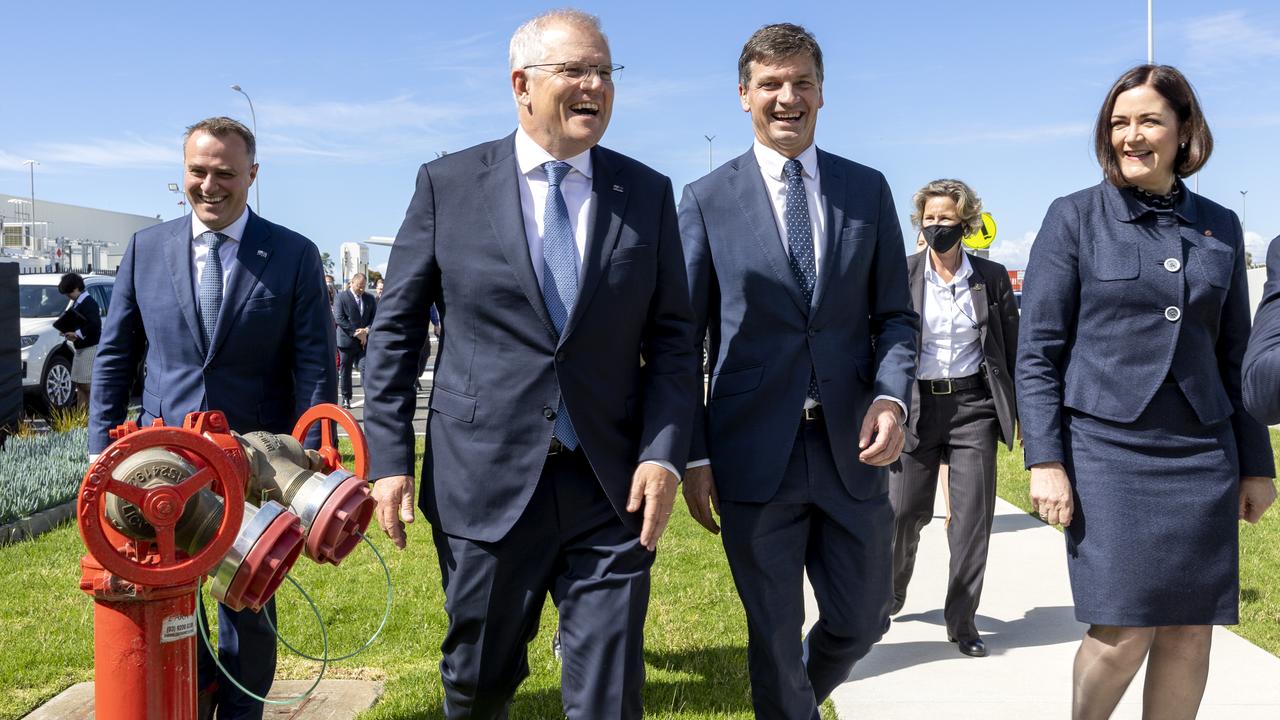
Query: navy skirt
x=1154 y=539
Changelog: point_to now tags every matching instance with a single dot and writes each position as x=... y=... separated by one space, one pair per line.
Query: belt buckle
x=556 y=447
x=811 y=414
x=943 y=383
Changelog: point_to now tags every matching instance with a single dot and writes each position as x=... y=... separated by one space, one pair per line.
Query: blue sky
x=352 y=98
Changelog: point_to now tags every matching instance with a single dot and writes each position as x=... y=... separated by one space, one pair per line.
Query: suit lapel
x=500 y=185
x=252 y=256
x=609 y=200
x=978 y=287
x=832 y=189
x=178 y=256
x=753 y=198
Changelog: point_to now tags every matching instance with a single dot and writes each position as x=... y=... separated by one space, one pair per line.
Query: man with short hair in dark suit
x=564 y=390
x=232 y=313
x=353 y=311
x=796 y=266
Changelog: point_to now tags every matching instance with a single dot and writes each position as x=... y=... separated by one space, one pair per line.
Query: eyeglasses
x=578 y=71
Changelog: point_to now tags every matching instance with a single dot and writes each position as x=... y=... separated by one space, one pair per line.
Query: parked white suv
x=46 y=355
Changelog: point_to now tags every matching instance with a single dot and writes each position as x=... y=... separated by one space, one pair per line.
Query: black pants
x=349 y=357
x=811 y=525
x=962 y=429
x=569 y=542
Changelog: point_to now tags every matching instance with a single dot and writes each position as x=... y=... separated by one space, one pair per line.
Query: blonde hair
x=526 y=43
x=968 y=204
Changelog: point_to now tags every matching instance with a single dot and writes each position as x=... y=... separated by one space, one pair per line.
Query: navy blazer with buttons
x=1112 y=306
x=624 y=365
x=273 y=346
x=1262 y=359
x=858 y=335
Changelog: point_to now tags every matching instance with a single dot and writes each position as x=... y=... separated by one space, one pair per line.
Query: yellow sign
x=983 y=238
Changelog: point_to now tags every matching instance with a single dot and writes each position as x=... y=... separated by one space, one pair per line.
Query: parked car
x=46 y=355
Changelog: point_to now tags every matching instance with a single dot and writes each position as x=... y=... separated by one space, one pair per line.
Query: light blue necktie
x=800 y=242
x=559 y=275
x=211 y=288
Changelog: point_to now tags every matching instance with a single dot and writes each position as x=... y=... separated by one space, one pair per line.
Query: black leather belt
x=812 y=414
x=947 y=386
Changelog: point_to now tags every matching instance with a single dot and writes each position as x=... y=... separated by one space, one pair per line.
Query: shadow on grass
x=702 y=681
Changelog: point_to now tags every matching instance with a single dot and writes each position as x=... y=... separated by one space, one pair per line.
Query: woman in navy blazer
x=1135 y=318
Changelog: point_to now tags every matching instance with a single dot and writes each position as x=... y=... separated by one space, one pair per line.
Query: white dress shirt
x=950 y=341
x=226 y=251
x=359 y=303
x=575 y=188
x=75 y=304
x=775 y=183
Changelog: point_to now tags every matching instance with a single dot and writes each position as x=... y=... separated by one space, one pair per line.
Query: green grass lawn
x=695 y=637
x=1259 y=554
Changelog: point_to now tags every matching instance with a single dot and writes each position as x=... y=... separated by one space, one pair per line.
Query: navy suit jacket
x=272 y=355
x=859 y=335
x=350 y=317
x=1095 y=334
x=92 y=331
x=1262 y=359
x=625 y=364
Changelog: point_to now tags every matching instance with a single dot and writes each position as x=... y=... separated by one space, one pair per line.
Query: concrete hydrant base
x=332 y=700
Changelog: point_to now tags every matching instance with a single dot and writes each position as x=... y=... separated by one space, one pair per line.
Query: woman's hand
x=1051 y=493
x=1256 y=495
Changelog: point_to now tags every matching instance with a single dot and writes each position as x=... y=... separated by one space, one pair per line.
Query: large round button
x=1172 y=265
x=548 y=413
x=1172 y=314
x=560 y=356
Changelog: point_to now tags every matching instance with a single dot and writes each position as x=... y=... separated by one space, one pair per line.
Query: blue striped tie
x=559 y=275
x=800 y=242
x=211 y=288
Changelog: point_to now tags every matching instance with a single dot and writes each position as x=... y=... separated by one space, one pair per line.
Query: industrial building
x=65 y=237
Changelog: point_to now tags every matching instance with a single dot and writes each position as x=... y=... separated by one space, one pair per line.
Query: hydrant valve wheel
x=329 y=443
x=161 y=506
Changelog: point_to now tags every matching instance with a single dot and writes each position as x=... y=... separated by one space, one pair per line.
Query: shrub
x=40 y=471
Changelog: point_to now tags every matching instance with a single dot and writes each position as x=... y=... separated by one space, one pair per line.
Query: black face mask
x=942 y=237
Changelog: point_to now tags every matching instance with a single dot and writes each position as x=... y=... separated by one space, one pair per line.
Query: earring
x=1182 y=146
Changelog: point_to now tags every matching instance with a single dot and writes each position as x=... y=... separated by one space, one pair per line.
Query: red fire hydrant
x=163 y=507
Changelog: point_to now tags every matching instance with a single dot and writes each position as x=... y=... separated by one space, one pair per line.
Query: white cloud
x=11 y=163
x=1256 y=245
x=1013 y=251
x=1229 y=39
x=129 y=153
x=1022 y=134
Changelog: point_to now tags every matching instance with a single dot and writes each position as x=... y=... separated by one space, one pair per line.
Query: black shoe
x=972 y=648
x=896 y=607
x=346 y=403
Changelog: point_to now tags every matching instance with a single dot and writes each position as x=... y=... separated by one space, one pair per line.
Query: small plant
x=69 y=418
x=38 y=472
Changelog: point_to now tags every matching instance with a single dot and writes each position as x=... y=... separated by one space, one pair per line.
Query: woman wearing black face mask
x=962 y=403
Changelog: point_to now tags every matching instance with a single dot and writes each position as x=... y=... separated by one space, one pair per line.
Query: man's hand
x=361 y=334
x=884 y=423
x=654 y=489
x=1256 y=495
x=700 y=496
x=394 y=498
x=71 y=336
x=1051 y=493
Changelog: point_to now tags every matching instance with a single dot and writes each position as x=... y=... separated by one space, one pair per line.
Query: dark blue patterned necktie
x=559 y=274
x=211 y=287
x=800 y=242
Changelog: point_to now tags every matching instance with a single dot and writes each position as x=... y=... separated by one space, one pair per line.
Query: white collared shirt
x=950 y=340
x=771 y=162
x=226 y=251
x=359 y=302
x=575 y=188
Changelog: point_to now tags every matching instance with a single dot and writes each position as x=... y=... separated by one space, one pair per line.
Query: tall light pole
x=173 y=188
x=1151 y=37
x=257 y=196
x=1244 y=211
x=709 y=138
x=32 y=165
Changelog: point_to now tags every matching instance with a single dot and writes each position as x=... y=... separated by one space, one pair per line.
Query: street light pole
x=257 y=196
x=710 y=165
x=1151 y=38
x=32 y=164
x=1244 y=211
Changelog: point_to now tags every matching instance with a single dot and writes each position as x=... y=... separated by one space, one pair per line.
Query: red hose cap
x=266 y=564
x=341 y=521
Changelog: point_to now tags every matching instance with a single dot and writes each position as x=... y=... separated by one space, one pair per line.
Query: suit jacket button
x=1172 y=314
x=812 y=332
x=995 y=370
x=548 y=413
x=1172 y=265
x=560 y=356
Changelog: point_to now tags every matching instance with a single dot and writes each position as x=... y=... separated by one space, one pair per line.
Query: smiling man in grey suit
x=797 y=269
x=564 y=387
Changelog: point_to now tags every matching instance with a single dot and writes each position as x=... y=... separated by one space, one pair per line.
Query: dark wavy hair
x=1195 y=140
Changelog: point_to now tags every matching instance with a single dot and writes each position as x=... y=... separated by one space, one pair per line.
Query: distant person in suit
x=564 y=389
x=353 y=311
x=961 y=405
x=85 y=338
x=797 y=267
x=231 y=312
x=1135 y=318
x=1262 y=359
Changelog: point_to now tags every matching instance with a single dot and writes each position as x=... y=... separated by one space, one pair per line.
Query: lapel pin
x=618 y=188
x=1208 y=233
x=262 y=253
x=977 y=287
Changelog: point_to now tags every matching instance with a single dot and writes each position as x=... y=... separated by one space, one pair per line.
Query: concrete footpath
x=1027 y=621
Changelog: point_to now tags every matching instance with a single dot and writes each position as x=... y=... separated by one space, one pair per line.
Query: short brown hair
x=778 y=42
x=1195 y=140
x=220 y=127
